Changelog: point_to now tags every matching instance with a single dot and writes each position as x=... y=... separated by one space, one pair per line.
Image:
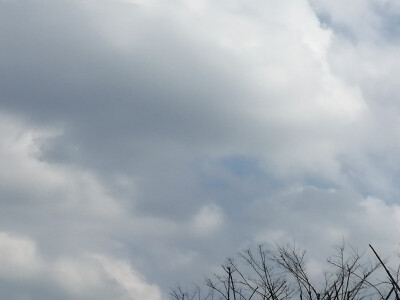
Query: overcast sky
x=143 y=141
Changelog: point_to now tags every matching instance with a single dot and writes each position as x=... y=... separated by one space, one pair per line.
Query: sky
x=143 y=141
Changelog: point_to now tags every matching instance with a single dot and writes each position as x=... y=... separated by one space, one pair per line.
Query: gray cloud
x=142 y=141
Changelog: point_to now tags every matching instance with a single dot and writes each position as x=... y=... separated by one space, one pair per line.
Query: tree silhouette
x=281 y=274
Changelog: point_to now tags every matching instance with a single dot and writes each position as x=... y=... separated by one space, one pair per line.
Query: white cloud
x=77 y=276
x=208 y=220
x=133 y=283
x=97 y=275
x=91 y=275
x=67 y=188
x=48 y=198
x=18 y=256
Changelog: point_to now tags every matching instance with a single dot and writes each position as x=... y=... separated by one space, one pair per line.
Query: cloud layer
x=142 y=142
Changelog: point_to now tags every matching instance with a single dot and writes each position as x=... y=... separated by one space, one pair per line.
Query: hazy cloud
x=141 y=142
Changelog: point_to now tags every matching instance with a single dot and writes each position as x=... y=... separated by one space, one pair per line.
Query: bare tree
x=194 y=294
x=281 y=274
x=349 y=276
